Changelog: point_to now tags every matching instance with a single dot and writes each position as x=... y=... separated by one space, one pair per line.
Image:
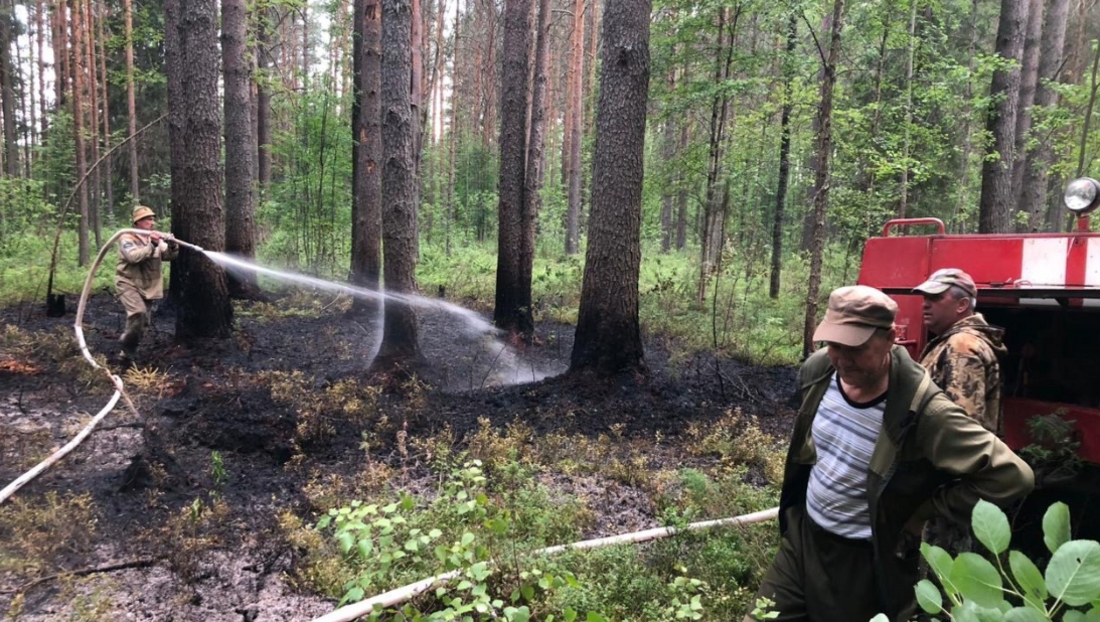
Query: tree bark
x=1033 y=188
x=713 y=232
x=453 y=138
x=108 y=164
x=203 y=303
x=508 y=313
x=366 y=112
x=824 y=146
x=40 y=36
x=682 y=199
x=131 y=105
x=7 y=92
x=533 y=175
x=399 y=192
x=1029 y=82
x=91 y=82
x=76 y=67
x=784 y=156
x=995 y=208
x=263 y=102
x=240 y=211
x=668 y=153
x=608 y=335
x=903 y=202
x=575 y=128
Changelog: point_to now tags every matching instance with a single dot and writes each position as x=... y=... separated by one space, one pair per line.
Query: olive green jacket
x=930 y=459
x=139 y=264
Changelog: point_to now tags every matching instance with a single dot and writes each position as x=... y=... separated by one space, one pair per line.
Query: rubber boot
x=131 y=337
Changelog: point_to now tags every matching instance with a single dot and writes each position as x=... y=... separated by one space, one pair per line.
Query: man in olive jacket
x=138 y=277
x=877 y=450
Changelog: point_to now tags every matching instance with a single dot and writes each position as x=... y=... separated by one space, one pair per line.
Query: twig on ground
x=133 y=563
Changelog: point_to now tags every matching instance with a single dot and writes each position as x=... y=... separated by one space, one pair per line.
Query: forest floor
x=283 y=419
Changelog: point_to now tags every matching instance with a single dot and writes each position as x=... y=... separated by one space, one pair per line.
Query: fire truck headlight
x=1082 y=195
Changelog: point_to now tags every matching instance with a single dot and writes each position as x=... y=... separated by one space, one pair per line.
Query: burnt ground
x=121 y=500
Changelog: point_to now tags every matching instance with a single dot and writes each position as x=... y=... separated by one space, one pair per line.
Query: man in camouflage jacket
x=963 y=361
x=138 y=277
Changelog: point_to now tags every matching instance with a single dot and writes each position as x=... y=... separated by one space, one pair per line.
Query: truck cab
x=1044 y=290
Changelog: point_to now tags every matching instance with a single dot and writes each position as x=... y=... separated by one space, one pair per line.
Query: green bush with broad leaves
x=979 y=590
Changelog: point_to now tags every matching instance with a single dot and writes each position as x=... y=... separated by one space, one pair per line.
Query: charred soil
x=174 y=513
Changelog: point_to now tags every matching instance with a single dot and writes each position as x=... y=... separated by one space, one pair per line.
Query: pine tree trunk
x=7 y=93
x=91 y=87
x=399 y=191
x=823 y=146
x=240 y=211
x=1029 y=82
x=682 y=199
x=76 y=67
x=131 y=105
x=508 y=314
x=997 y=201
x=203 y=303
x=61 y=69
x=453 y=139
x=1033 y=188
x=903 y=202
x=668 y=153
x=608 y=335
x=575 y=112
x=366 y=111
x=40 y=36
x=263 y=102
x=108 y=164
x=536 y=162
x=784 y=156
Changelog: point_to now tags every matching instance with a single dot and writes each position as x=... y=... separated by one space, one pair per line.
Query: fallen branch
x=133 y=563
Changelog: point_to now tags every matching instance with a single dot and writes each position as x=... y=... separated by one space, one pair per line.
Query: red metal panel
x=1017 y=412
x=900 y=263
x=990 y=262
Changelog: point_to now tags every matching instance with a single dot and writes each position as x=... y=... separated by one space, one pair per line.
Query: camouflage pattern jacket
x=963 y=362
x=139 y=264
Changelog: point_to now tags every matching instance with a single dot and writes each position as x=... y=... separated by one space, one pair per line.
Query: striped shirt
x=844 y=434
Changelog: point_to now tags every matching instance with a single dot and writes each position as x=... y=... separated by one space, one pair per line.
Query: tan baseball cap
x=141 y=212
x=943 y=279
x=853 y=315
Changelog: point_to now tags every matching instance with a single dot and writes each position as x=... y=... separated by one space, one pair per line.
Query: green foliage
x=976 y=589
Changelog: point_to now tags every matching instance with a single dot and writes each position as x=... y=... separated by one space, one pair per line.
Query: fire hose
x=120 y=390
x=403 y=594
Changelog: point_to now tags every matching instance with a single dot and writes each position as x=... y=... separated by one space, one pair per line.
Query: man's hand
x=154 y=238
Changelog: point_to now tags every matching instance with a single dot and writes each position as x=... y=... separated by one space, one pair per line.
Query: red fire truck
x=1044 y=290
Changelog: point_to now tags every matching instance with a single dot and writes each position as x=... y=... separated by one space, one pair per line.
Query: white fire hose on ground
x=406 y=593
x=120 y=391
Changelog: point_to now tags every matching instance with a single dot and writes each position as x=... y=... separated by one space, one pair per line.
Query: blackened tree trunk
x=534 y=173
x=366 y=113
x=1033 y=188
x=995 y=208
x=203 y=303
x=7 y=93
x=131 y=106
x=824 y=146
x=608 y=334
x=399 y=192
x=509 y=312
x=784 y=156
x=575 y=125
x=240 y=211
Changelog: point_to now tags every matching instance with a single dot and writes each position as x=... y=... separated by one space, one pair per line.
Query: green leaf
x=570 y=615
x=1056 y=526
x=412 y=545
x=1073 y=574
x=1025 y=614
x=594 y=617
x=991 y=527
x=971 y=612
x=1073 y=616
x=942 y=564
x=977 y=580
x=523 y=614
x=880 y=618
x=365 y=547
x=346 y=541
x=323 y=523
x=435 y=533
x=1029 y=578
x=467 y=538
x=929 y=597
x=528 y=592
x=354 y=595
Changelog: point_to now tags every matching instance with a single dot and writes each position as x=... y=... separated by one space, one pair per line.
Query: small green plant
x=764 y=609
x=1053 y=454
x=977 y=590
x=217 y=469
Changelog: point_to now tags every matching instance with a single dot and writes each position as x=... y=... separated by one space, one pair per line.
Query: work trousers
x=818 y=576
x=137 y=318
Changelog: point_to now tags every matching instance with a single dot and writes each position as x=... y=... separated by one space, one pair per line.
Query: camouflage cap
x=942 y=280
x=853 y=315
x=141 y=212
